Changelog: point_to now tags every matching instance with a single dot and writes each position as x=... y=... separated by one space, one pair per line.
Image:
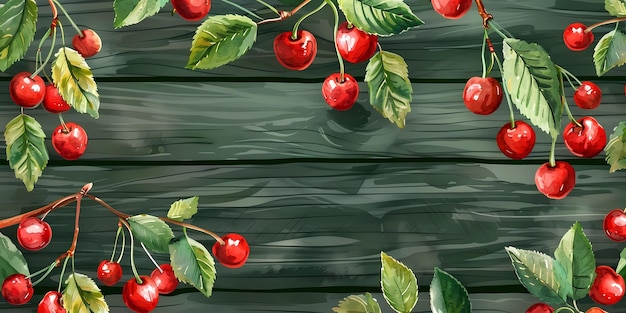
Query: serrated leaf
x=447 y=294
x=576 y=255
x=130 y=12
x=183 y=209
x=82 y=295
x=221 y=39
x=532 y=80
x=154 y=233
x=26 y=149
x=609 y=52
x=12 y=260
x=399 y=284
x=621 y=265
x=615 y=148
x=390 y=90
x=364 y=303
x=74 y=80
x=193 y=264
x=543 y=276
x=18 y=21
x=380 y=17
x=615 y=7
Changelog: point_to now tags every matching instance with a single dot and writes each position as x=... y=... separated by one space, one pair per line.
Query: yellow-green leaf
x=364 y=303
x=610 y=52
x=82 y=295
x=193 y=264
x=399 y=284
x=183 y=209
x=616 y=148
x=129 y=12
x=615 y=7
x=26 y=149
x=73 y=77
x=18 y=21
x=12 y=260
x=380 y=17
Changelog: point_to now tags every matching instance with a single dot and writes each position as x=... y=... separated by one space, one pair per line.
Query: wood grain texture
x=264 y=121
x=439 y=49
x=324 y=225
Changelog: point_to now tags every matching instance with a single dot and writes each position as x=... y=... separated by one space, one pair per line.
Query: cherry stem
x=563 y=308
x=119 y=259
x=564 y=100
x=151 y=258
x=117 y=235
x=294 y=33
x=482 y=53
x=132 y=251
x=269 y=6
x=243 y=9
x=335 y=29
x=55 y=13
x=51 y=32
x=575 y=305
x=283 y=15
x=79 y=197
x=69 y=18
x=568 y=74
x=62 y=274
x=196 y=228
x=509 y=101
x=552 y=149
x=47 y=271
x=610 y=21
x=65 y=129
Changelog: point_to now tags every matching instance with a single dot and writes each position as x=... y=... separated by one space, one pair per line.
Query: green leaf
x=130 y=12
x=576 y=255
x=621 y=266
x=615 y=149
x=82 y=295
x=11 y=259
x=447 y=294
x=610 y=52
x=221 y=39
x=18 y=21
x=615 y=7
x=183 y=209
x=390 y=89
x=543 y=276
x=26 y=149
x=193 y=264
x=73 y=77
x=380 y=17
x=533 y=83
x=154 y=233
x=398 y=283
x=364 y=303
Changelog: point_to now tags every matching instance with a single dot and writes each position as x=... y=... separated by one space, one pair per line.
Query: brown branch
x=49 y=207
x=106 y=205
x=483 y=13
x=613 y=20
x=79 y=197
x=194 y=227
x=283 y=15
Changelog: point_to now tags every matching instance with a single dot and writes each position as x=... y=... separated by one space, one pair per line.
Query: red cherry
x=69 y=142
x=25 y=91
x=52 y=100
x=355 y=45
x=141 y=298
x=165 y=279
x=88 y=43
x=17 y=289
x=588 y=96
x=539 y=308
x=555 y=182
x=452 y=9
x=340 y=95
x=109 y=272
x=51 y=303
x=516 y=143
x=482 y=95
x=608 y=287
x=614 y=225
x=575 y=37
x=192 y=10
x=595 y=309
x=295 y=54
x=33 y=234
x=234 y=252
x=587 y=140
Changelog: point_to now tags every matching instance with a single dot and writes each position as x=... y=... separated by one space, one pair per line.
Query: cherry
x=555 y=182
x=587 y=140
x=295 y=54
x=109 y=272
x=234 y=252
x=614 y=225
x=17 y=289
x=192 y=10
x=51 y=303
x=33 y=234
x=595 y=309
x=539 y=308
x=141 y=298
x=355 y=45
x=516 y=143
x=340 y=95
x=25 y=91
x=87 y=43
x=452 y=9
x=608 y=287
x=52 y=100
x=575 y=37
x=588 y=95
x=70 y=142
x=165 y=279
x=482 y=95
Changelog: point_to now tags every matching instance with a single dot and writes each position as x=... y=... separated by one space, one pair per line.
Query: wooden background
x=318 y=193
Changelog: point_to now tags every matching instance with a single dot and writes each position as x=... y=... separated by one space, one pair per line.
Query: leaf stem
x=69 y=18
x=294 y=33
x=243 y=9
x=609 y=21
x=151 y=258
x=47 y=272
x=62 y=274
x=196 y=228
x=498 y=30
x=132 y=252
x=335 y=29
x=506 y=91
